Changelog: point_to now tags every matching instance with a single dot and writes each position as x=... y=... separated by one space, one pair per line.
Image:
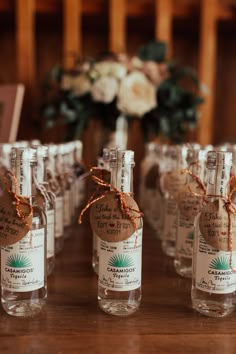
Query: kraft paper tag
x=173 y=181
x=213 y=225
x=12 y=227
x=108 y=221
x=189 y=204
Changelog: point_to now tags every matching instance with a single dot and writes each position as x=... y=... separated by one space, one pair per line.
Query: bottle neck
x=122 y=177
x=23 y=172
x=217 y=180
x=40 y=170
x=197 y=168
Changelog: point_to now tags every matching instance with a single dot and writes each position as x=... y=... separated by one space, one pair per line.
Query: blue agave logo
x=18 y=261
x=220 y=263
x=121 y=260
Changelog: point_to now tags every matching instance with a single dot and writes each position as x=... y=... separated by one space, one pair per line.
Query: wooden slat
x=117 y=21
x=25 y=41
x=207 y=67
x=164 y=19
x=72 y=31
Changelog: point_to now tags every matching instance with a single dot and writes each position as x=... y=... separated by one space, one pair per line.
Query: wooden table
x=73 y=323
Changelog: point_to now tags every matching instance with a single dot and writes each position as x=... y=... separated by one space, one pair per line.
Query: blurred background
x=36 y=35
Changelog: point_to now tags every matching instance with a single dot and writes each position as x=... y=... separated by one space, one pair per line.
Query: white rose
x=137 y=95
x=80 y=85
x=110 y=68
x=66 y=82
x=104 y=89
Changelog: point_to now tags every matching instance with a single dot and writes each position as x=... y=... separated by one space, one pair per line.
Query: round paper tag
x=107 y=220
x=213 y=225
x=12 y=228
x=173 y=181
x=189 y=204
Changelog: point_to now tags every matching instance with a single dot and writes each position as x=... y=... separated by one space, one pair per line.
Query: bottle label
x=50 y=233
x=59 y=217
x=213 y=272
x=22 y=264
x=170 y=220
x=185 y=237
x=67 y=206
x=120 y=263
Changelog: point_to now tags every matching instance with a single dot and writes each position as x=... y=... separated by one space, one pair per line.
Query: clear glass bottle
x=57 y=189
x=213 y=286
x=48 y=204
x=103 y=163
x=177 y=156
x=64 y=181
x=79 y=171
x=23 y=264
x=185 y=227
x=116 y=295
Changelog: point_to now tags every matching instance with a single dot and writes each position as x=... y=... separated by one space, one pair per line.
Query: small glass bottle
x=23 y=264
x=185 y=227
x=48 y=204
x=116 y=295
x=63 y=179
x=213 y=281
x=79 y=171
x=103 y=164
x=177 y=156
x=57 y=189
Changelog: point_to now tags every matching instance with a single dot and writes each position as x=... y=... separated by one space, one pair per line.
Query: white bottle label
x=59 y=217
x=50 y=233
x=120 y=263
x=213 y=272
x=67 y=210
x=170 y=220
x=185 y=237
x=22 y=264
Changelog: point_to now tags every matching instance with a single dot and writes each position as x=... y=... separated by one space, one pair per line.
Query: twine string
x=125 y=209
x=18 y=201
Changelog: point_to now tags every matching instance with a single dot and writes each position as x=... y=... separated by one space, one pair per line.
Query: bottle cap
x=215 y=158
x=125 y=157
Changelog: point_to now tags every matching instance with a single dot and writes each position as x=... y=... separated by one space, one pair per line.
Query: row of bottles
x=48 y=180
x=191 y=185
x=118 y=261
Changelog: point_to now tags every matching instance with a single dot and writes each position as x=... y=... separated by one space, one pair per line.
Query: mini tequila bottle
x=23 y=264
x=56 y=188
x=213 y=281
x=48 y=203
x=185 y=226
x=178 y=156
x=121 y=294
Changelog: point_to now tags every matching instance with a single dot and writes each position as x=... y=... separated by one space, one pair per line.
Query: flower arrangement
x=162 y=94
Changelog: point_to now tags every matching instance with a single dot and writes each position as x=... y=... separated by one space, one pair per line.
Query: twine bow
x=127 y=210
x=17 y=200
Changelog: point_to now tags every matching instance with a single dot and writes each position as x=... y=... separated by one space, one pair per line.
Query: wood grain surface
x=73 y=323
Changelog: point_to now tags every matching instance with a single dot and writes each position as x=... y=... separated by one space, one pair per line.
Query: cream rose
x=104 y=89
x=80 y=85
x=110 y=68
x=137 y=95
x=66 y=82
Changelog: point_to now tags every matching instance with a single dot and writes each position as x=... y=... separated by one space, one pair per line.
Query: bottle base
x=119 y=307
x=212 y=309
x=184 y=270
x=24 y=308
x=168 y=248
x=50 y=265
